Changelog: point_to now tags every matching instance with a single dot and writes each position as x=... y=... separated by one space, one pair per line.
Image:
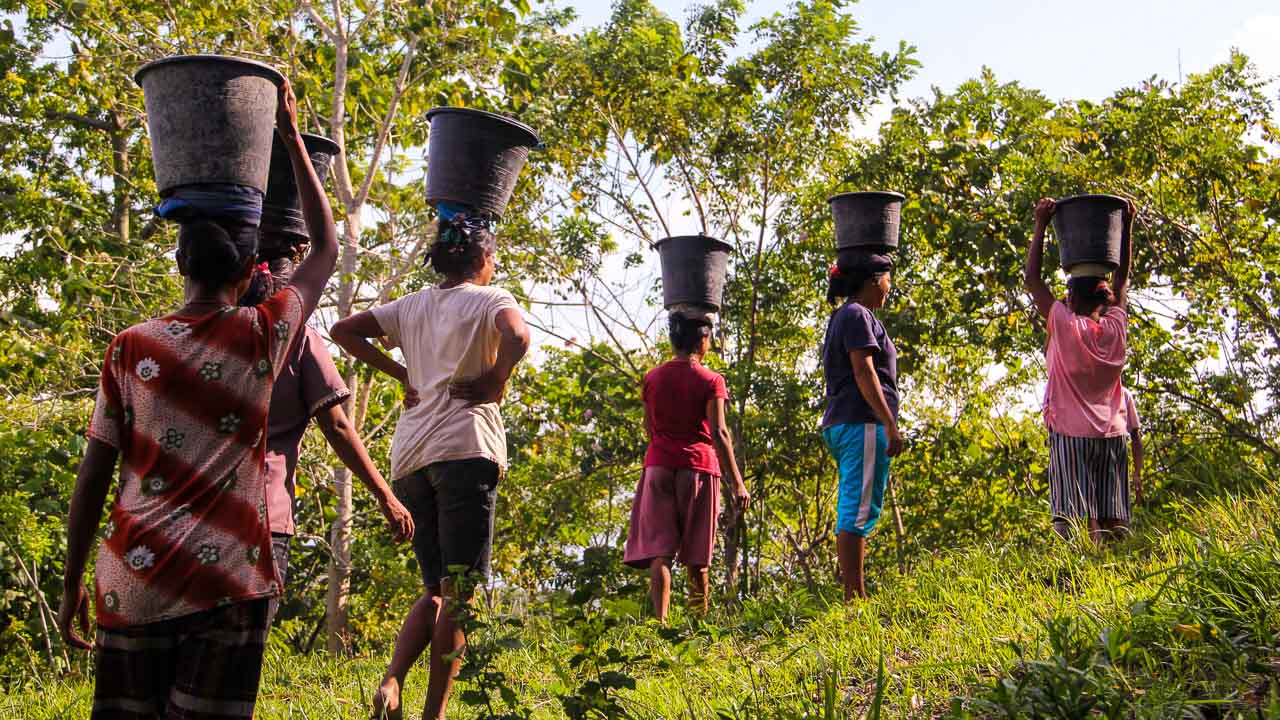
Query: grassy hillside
x=1179 y=621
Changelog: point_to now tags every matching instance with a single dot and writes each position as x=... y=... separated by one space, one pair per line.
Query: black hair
x=282 y=258
x=461 y=246
x=852 y=271
x=1085 y=293
x=214 y=252
x=686 y=332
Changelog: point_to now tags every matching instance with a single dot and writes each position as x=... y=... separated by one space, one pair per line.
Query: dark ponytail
x=852 y=270
x=214 y=253
x=280 y=261
x=462 y=244
x=686 y=332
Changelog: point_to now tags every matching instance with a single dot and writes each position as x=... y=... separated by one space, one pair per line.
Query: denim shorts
x=452 y=504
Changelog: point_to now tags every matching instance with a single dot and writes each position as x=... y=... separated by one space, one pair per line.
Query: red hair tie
x=834 y=272
x=265 y=269
x=1102 y=285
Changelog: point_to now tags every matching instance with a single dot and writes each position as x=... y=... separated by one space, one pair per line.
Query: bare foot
x=386 y=701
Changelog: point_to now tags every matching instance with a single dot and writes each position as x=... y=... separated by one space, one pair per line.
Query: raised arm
x=864 y=372
x=1033 y=274
x=1120 y=280
x=93 y=481
x=313 y=273
x=723 y=442
x=353 y=333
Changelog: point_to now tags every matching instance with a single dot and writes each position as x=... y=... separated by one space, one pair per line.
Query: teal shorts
x=859 y=451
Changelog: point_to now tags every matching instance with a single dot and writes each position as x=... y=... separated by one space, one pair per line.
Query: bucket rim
x=320 y=144
x=273 y=74
x=534 y=140
x=716 y=243
x=1090 y=196
x=887 y=194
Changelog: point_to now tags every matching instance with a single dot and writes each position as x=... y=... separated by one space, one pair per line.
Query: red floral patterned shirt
x=184 y=400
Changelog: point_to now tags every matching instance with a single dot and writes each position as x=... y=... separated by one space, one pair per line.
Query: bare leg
x=446 y=640
x=699 y=597
x=414 y=637
x=660 y=586
x=851 y=550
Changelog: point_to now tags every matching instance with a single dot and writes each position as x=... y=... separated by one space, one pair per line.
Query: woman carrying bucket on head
x=1084 y=403
x=309 y=386
x=860 y=424
x=677 y=501
x=461 y=341
x=860 y=365
x=184 y=572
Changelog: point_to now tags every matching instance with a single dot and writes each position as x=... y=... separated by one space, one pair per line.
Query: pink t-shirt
x=1085 y=358
x=676 y=394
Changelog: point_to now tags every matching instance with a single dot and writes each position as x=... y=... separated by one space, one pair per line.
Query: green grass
x=1179 y=621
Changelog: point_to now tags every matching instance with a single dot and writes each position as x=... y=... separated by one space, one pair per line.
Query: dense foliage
x=653 y=127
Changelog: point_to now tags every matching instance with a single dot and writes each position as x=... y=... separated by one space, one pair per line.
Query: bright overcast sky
x=1082 y=49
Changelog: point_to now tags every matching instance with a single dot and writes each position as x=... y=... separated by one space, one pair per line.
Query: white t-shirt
x=446 y=335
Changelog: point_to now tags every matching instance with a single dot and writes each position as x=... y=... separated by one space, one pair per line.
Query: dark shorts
x=673 y=515
x=203 y=666
x=279 y=553
x=452 y=506
x=1088 y=477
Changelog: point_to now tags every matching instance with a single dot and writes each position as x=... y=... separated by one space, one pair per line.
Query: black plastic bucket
x=211 y=119
x=281 y=212
x=693 y=270
x=474 y=157
x=1089 y=229
x=867 y=220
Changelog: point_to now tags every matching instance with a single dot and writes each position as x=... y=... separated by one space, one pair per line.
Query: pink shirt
x=1085 y=358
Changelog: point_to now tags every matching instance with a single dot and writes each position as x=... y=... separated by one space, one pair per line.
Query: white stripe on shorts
x=868 y=473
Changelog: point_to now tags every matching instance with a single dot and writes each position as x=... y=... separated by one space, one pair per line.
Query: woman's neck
x=197 y=295
x=689 y=357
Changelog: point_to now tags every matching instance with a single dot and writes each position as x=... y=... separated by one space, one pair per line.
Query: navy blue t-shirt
x=854 y=327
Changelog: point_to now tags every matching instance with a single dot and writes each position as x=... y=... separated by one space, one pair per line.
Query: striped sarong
x=203 y=666
x=1088 y=477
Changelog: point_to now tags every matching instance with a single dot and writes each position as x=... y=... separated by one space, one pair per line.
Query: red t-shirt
x=676 y=394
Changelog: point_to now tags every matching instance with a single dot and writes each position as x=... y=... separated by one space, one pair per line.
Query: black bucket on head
x=693 y=270
x=211 y=119
x=474 y=158
x=867 y=220
x=1089 y=229
x=281 y=212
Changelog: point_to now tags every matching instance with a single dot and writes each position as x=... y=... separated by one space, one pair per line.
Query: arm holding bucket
x=1120 y=281
x=313 y=273
x=1033 y=275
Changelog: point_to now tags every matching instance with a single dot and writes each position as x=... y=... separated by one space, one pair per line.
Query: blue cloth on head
x=213 y=201
x=448 y=210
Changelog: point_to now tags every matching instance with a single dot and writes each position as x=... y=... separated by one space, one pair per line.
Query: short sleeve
x=857 y=330
x=280 y=317
x=388 y=317
x=501 y=301
x=109 y=422
x=718 y=388
x=321 y=384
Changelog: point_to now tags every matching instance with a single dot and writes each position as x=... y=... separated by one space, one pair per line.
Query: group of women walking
x=202 y=412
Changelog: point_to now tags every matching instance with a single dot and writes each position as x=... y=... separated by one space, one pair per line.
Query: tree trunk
x=339 y=592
